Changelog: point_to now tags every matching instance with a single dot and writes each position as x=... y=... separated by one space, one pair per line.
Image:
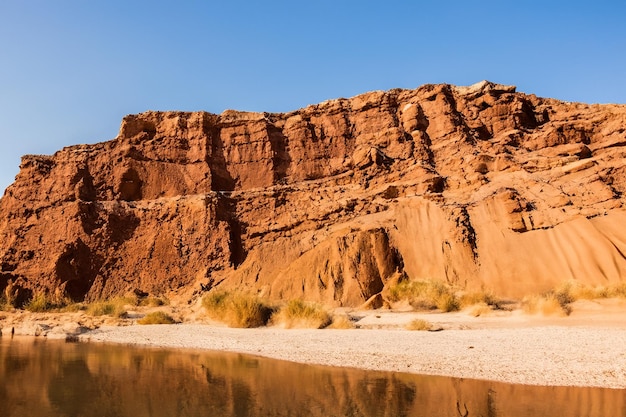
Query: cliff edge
x=478 y=186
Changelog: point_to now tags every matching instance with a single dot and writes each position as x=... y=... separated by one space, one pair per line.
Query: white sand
x=546 y=355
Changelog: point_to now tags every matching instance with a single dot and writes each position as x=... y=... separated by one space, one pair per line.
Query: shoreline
x=548 y=355
x=584 y=349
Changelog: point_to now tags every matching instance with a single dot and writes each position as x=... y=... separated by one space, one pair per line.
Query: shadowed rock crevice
x=226 y=211
x=280 y=148
x=77 y=268
x=129 y=188
x=221 y=179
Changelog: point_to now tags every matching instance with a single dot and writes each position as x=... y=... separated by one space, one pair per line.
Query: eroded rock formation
x=477 y=186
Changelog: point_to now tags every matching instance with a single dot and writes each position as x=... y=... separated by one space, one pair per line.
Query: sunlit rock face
x=478 y=186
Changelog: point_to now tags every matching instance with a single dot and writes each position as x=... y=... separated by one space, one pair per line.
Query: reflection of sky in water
x=50 y=378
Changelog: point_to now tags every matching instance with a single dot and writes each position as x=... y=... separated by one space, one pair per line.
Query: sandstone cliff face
x=477 y=186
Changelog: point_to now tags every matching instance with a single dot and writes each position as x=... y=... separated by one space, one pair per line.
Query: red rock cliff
x=478 y=186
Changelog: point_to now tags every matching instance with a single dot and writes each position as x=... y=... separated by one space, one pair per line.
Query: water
x=41 y=377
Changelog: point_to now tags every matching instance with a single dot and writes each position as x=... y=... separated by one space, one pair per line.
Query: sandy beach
x=587 y=348
x=553 y=355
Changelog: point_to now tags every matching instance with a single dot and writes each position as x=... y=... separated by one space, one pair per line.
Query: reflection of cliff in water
x=52 y=378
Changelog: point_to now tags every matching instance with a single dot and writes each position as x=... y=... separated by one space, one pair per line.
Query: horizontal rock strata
x=478 y=186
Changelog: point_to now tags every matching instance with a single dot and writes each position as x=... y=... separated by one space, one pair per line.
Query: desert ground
x=586 y=348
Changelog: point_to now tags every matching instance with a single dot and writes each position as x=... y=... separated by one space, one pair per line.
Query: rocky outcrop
x=479 y=186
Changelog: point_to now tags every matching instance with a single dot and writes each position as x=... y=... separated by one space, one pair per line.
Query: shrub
x=479 y=297
x=479 y=309
x=618 y=290
x=578 y=291
x=152 y=302
x=115 y=307
x=548 y=304
x=156 y=317
x=10 y=294
x=425 y=295
x=341 y=321
x=571 y=291
x=419 y=324
x=447 y=302
x=4 y=305
x=39 y=303
x=563 y=295
x=298 y=313
x=237 y=309
x=42 y=302
x=73 y=307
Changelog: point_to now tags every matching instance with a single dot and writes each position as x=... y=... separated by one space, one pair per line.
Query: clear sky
x=70 y=70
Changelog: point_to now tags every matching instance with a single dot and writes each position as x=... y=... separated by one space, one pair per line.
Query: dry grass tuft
x=548 y=304
x=419 y=324
x=156 y=317
x=73 y=308
x=115 y=307
x=558 y=301
x=301 y=314
x=237 y=309
x=479 y=309
x=479 y=303
x=4 y=305
x=39 y=303
x=618 y=290
x=479 y=297
x=43 y=302
x=578 y=291
x=341 y=321
x=152 y=301
x=9 y=299
x=425 y=295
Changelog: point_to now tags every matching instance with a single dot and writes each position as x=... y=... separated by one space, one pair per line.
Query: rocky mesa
x=479 y=186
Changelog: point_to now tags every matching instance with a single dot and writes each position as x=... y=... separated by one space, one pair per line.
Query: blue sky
x=70 y=70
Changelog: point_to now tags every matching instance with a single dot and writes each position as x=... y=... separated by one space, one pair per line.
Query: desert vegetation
x=43 y=302
x=419 y=324
x=437 y=295
x=302 y=314
x=4 y=306
x=245 y=310
x=8 y=299
x=119 y=306
x=115 y=307
x=341 y=321
x=156 y=317
x=425 y=295
x=557 y=301
x=237 y=309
